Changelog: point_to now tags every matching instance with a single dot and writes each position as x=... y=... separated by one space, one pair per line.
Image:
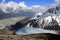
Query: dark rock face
x=33 y=23
x=54 y=10
x=17 y=26
x=51 y=10
x=52 y=25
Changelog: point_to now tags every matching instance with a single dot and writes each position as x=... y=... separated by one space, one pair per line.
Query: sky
x=32 y=2
x=9 y=6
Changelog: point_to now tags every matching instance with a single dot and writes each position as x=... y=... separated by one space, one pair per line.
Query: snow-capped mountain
x=11 y=14
x=53 y=13
x=48 y=17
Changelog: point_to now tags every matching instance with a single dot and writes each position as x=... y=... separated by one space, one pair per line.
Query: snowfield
x=30 y=30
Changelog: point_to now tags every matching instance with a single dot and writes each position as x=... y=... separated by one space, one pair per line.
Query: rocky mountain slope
x=45 y=19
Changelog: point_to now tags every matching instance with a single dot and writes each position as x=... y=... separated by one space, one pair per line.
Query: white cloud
x=22 y=4
x=12 y=5
x=15 y=7
x=57 y=1
x=3 y=1
x=36 y=6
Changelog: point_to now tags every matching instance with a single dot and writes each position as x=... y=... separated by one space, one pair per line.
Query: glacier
x=30 y=30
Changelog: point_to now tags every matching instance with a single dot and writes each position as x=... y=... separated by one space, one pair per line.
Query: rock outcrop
x=52 y=25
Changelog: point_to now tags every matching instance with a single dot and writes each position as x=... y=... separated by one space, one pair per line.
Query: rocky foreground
x=30 y=37
x=5 y=34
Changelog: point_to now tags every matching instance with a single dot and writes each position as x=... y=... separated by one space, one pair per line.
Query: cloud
x=57 y=1
x=3 y=1
x=36 y=6
x=16 y=7
x=12 y=6
x=22 y=4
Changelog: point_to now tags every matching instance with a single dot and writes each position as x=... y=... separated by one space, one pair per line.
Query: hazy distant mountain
x=12 y=9
x=4 y=15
